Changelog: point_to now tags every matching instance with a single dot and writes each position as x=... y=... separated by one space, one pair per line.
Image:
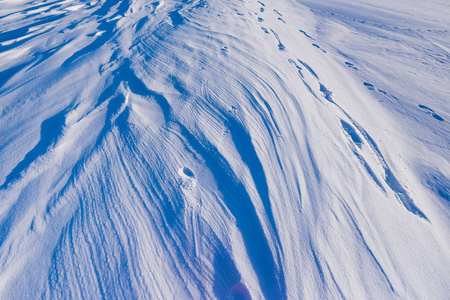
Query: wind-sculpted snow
x=224 y=149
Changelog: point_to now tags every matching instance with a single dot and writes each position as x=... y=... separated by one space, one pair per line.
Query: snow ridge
x=202 y=149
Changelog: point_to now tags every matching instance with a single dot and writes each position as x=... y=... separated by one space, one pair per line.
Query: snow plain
x=233 y=149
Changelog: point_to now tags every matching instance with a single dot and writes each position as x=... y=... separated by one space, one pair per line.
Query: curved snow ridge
x=211 y=149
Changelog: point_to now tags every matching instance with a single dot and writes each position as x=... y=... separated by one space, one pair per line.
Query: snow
x=224 y=149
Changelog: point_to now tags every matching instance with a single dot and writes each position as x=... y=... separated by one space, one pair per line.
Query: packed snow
x=224 y=149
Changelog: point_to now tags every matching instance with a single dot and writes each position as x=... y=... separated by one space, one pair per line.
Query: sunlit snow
x=225 y=149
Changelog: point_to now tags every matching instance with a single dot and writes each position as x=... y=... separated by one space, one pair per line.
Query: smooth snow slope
x=197 y=149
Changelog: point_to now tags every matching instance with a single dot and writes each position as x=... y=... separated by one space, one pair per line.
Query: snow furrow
x=230 y=149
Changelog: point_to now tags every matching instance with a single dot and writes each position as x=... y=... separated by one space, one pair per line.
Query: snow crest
x=198 y=149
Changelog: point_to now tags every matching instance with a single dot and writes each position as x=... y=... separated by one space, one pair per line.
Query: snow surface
x=233 y=149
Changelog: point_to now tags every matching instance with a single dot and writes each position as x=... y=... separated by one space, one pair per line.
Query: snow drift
x=227 y=149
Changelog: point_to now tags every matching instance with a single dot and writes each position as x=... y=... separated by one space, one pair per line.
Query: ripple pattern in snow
x=206 y=149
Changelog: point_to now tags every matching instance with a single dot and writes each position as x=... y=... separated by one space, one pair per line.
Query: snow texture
x=224 y=149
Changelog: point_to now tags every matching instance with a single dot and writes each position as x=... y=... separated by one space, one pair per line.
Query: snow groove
x=200 y=149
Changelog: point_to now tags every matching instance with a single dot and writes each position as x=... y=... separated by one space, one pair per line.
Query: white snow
x=224 y=149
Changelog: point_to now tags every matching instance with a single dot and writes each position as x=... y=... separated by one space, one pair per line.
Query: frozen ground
x=229 y=149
